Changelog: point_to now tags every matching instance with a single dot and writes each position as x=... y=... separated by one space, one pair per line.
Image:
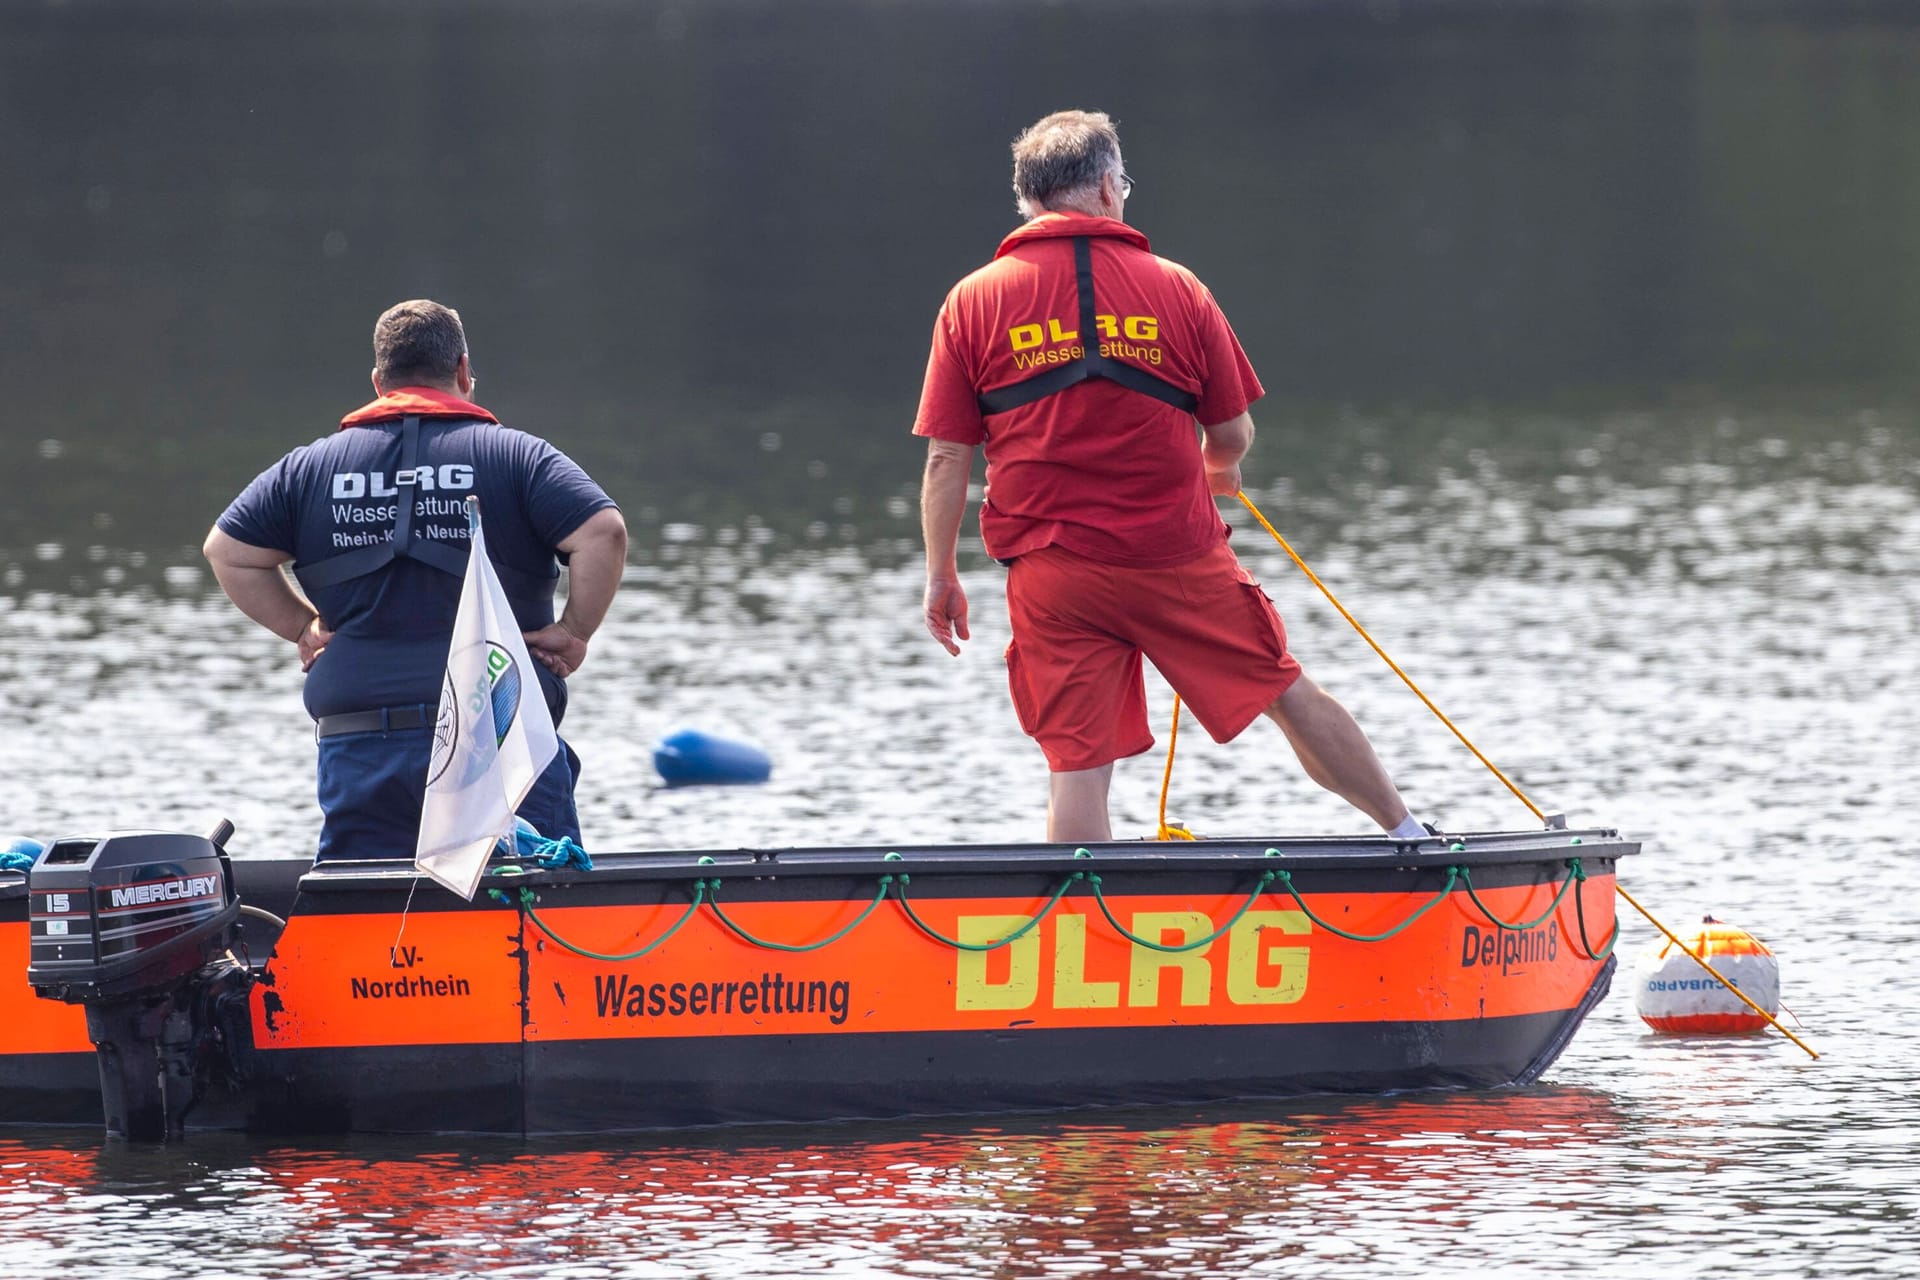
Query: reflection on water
x=1167 y=1192
x=1445 y=1185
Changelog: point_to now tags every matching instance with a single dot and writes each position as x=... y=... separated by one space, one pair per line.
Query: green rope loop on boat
x=713 y=901
x=1286 y=882
x=527 y=900
x=1266 y=878
x=1467 y=877
x=707 y=891
x=900 y=888
x=1580 y=913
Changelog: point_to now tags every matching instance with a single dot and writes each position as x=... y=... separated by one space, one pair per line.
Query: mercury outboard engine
x=136 y=927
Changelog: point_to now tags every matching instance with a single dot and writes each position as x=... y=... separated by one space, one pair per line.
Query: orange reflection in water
x=1096 y=1185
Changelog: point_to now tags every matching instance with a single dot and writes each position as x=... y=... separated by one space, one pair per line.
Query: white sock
x=1409 y=829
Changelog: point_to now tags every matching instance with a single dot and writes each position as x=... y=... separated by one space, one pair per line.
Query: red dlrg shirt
x=1103 y=471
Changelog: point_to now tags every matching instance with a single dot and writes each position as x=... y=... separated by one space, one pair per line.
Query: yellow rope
x=1170 y=833
x=1166 y=781
x=1315 y=579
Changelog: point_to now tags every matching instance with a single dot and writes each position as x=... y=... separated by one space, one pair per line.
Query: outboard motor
x=136 y=927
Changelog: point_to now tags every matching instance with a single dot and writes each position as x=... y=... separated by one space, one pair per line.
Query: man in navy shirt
x=373 y=519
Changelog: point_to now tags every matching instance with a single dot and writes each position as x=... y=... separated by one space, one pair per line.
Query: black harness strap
x=1091 y=363
x=443 y=556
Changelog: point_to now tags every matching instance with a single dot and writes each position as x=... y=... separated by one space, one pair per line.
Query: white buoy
x=1673 y=994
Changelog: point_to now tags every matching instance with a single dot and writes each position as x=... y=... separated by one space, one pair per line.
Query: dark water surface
x=1591 y=332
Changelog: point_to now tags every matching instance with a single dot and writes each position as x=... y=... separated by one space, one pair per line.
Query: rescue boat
x=169 y=986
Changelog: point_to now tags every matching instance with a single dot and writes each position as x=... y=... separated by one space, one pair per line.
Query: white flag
x=492 y=738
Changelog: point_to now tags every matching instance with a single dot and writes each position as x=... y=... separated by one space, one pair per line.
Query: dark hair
x=417 y=342
x=1066 y=153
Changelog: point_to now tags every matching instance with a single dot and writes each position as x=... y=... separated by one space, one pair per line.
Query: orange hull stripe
x=1073 y=970
x=34 y=1025
x=445 y=978
x=455 y=977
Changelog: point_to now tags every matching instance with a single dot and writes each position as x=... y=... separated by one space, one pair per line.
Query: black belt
x=384 y=720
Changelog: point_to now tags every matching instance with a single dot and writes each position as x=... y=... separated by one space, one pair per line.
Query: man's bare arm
x=252 y=579
x=943 y=501
x=1222 y=446
x=596 y=559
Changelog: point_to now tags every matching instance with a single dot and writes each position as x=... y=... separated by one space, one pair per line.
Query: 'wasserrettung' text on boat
x=167 y=985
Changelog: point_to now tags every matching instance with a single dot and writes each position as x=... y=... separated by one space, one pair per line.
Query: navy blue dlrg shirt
x=391 y=628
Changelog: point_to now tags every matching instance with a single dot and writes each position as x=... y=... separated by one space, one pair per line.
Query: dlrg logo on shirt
x=373 y=484
x=1024 y=337
x=1137 y=329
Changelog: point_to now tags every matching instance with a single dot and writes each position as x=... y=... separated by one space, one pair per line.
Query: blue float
x=691 y=758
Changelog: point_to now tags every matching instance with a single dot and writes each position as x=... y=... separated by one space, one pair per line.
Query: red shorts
x=1080 y=628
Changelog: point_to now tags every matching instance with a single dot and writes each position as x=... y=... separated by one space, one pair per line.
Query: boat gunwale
x=1292 y=854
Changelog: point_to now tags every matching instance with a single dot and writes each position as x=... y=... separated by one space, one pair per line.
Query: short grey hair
x=1061 y=158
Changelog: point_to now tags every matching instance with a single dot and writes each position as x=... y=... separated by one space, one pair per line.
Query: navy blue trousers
x=371 y=786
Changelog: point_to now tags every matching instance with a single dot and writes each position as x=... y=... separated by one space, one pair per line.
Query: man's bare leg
x=1335 y=752
x=1077 y=805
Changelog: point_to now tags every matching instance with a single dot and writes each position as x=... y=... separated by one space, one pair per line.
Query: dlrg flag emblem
x=493 y=736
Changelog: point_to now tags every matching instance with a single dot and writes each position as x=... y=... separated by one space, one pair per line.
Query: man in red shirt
x=1082 y=362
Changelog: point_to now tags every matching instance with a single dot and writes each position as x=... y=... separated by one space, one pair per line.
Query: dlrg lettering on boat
x=409 y=987
x=615 y=995
x=1257 y=968
x=1508 y=948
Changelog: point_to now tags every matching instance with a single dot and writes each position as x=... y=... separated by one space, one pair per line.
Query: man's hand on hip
x=313 y=640
x=556 y=648
x=946 y=612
